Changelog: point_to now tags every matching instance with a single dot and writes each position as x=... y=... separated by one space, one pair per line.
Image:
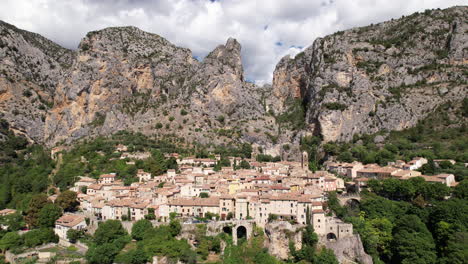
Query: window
x=318 y=220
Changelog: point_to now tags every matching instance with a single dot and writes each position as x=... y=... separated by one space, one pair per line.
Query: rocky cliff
x=281 y=235
x=363 y=80
x=380 y=77
x=128 y=79
x=30 y=68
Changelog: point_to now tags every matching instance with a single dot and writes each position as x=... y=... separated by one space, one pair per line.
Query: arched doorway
x=353 y=202
x=331 y=236
x=241 y=232
x=353 y=207
x=227 y=230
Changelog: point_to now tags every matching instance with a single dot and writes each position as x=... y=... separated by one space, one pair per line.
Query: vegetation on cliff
x=410 y=221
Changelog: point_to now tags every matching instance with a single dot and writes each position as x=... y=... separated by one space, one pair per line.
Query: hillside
x=387 y=76
x=380 y=77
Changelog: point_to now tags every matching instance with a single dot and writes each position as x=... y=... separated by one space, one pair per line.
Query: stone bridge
x=238 y=228
x=348 y=199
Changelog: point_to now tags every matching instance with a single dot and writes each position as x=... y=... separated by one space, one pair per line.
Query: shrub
x=27 y=93
x=221 y=119
x=335 y=106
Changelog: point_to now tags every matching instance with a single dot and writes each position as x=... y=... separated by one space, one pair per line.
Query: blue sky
x=267 y=29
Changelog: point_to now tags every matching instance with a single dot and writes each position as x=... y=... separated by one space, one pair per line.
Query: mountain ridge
x=357 y=81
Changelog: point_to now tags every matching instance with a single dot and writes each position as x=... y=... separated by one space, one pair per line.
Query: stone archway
x=227 y=230
x=353 y=202
x=241 y=232
x=331 y=237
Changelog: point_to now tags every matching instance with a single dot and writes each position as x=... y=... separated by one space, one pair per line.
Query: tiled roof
x=70 y=220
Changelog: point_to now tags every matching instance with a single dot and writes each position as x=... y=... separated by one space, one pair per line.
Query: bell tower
x=305 y=160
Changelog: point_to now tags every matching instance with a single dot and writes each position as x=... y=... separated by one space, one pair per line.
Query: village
x=232 y=199
x=196 y=193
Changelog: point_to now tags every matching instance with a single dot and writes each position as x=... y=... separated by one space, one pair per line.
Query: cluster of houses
x=280 y=190
x=359 y=174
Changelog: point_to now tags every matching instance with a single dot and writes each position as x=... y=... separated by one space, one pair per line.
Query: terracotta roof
x=7 y=211
x=107 y=176
x=70 y=220
x=212 y=201
x=95 y=186
x=86 y=179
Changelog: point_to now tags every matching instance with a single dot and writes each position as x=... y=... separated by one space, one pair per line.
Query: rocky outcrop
x=280 y=234
x=380 y=77
x=128 y=79
x=30 y=68
x=348 y=250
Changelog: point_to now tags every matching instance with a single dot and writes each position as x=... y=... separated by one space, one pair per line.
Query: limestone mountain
x=380 y=77
x=30 y=69
x=363 y=80
x=128 y=79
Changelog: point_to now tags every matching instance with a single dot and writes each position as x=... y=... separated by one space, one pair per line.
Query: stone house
x=107 y=178
x=67 y=222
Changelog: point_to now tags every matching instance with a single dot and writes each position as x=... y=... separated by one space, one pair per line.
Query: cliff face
x=385 y=76
x=348 y=250
x=128 y=79
x=30 y=68
x=380 y=77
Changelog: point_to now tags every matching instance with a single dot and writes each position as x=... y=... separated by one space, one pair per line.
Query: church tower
x=305 y=160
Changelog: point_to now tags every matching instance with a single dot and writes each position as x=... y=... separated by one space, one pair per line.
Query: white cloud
x=267 y=30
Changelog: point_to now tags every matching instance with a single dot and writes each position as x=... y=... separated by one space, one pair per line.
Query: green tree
x=36 y=203
x=109 y=231
x=244 y=164
x=73 y=235
x=429 y=168
x=204 y=195
x=345 y=156
x=461 y=190
x=246 y=150
x=48 y=215
x=10 y=240
x=174 y=227
x=102 y=254
x=134 y=256
x=326 y=256
x=67 y=200
x=140 y=228
x=223 y=162
x=14 y=221
x=412 y=243
x=457 y=249
x=39 y=236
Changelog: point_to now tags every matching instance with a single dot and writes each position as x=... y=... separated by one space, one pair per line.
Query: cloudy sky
x=267 y=29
